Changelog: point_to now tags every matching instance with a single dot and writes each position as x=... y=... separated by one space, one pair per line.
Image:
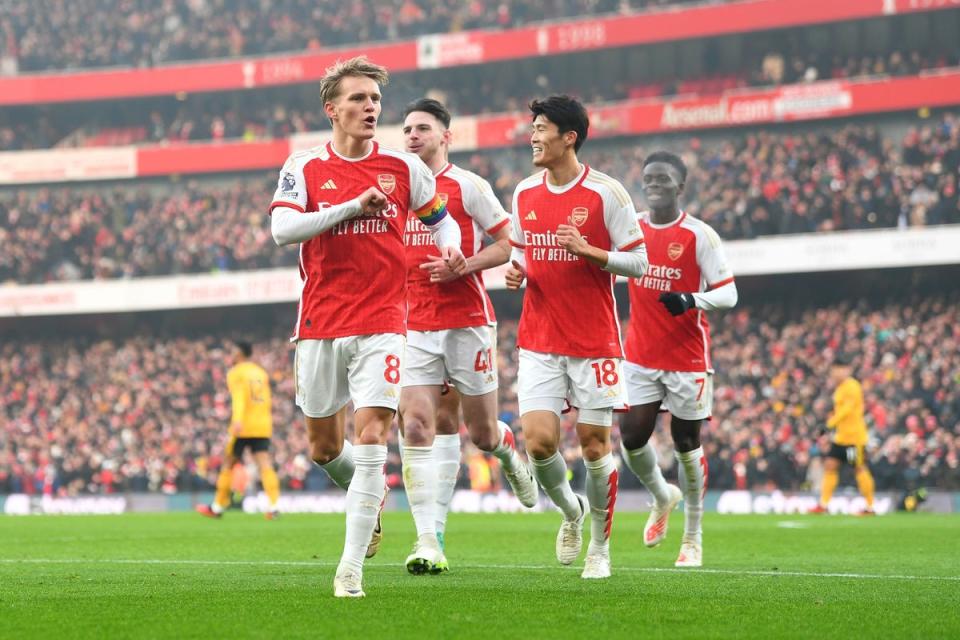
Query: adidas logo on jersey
x=329 y=184
x=531 y=216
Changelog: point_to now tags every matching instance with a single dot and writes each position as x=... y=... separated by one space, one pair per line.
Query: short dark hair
x=565 y=112
x=245 y=348
x=843 y=360
x=431 y=106
x=670 y=158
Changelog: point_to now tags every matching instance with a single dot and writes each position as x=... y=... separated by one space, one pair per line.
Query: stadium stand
x=277 y=114
x=147 y=412
x=753 y=183
x=141 y=33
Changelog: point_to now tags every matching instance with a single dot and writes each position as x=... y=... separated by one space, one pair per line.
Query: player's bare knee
x=594 y=448
x=637 y=426
x=323 y=452
x=686 y=442
x=686 y=434
x=540 y=449
x=416 y=433
x=485 y=439
x=447 y=427
x=371 y=435
x=634 y=439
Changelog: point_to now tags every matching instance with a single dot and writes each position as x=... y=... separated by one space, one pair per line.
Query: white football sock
x=446 y=458
x=364 y=497
x=506 y=449
x=643 y=463
x=693 y=482
x=420 y=481
x=341 y=468
x=602 y=477
x=552 y=476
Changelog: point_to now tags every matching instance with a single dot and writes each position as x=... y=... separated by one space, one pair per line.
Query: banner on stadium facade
x=454 y=49
x=210 y=157
x=819 y=100
x=799 y=253
x=845 y=251
x=67 y=165
x=784 y=104
x=148 y=294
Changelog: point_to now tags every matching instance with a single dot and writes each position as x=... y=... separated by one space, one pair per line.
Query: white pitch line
x=529 y=567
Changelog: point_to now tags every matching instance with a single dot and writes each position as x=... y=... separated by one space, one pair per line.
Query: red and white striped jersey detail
x=463 y=302
x=685 y=257
x=569 y=307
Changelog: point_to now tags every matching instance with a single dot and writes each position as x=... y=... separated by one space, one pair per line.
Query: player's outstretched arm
x=290 y=226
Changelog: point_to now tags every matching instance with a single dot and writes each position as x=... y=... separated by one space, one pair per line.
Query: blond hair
x=359 y=66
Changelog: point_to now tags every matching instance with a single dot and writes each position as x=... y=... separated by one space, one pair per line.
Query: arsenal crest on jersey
x=674 y=250
x=579 y=215
x=387 y=182
x=443 y=197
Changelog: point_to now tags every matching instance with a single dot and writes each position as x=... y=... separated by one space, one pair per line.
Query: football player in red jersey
x=451 y=333
x=668 y=349
x=574 y=230
x=346 y=203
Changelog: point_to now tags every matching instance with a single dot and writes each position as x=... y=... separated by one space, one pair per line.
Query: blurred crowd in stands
x=79 y=34
x=746 y=185
x=768 y=182
x=66 y=234
x=150 y=413
x=279 y=113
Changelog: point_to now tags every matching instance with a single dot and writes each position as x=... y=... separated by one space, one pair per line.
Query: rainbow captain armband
x=432 y=212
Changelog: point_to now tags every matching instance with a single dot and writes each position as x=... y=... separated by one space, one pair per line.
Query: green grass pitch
x=180 y=576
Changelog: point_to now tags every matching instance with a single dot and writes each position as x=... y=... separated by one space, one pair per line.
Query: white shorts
x=366 y=369
x=467 y=357
x=685 y=394
x=543 y=379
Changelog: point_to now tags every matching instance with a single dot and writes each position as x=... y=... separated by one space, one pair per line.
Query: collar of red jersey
x=373 y=150
x=683 y=214
x=563 y=188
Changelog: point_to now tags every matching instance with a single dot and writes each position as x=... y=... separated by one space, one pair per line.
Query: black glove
x=678 y=303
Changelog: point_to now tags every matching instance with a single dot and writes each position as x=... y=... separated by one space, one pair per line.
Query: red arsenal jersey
x=354 y=275
x=685 y=257
x=568 y=307
x=463 y=302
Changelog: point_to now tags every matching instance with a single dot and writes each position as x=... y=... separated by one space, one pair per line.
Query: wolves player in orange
x=251 y=426
x=346 y=203
x=574 y=229
x=668 y=349
x=451 y=335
